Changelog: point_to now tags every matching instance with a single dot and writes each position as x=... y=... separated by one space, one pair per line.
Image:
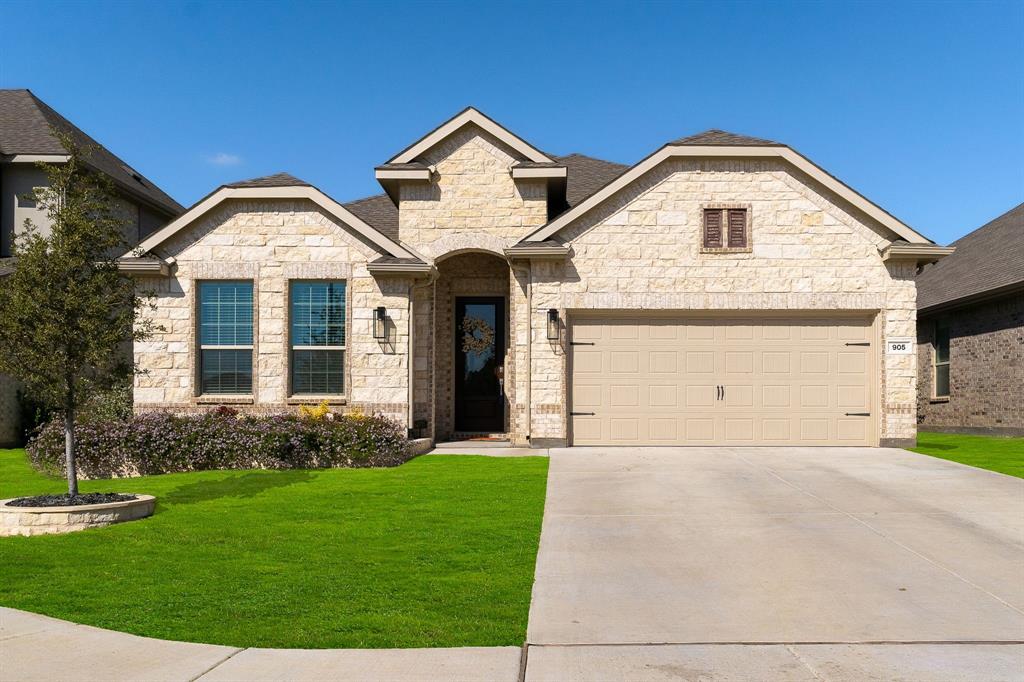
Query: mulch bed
x=69 y=500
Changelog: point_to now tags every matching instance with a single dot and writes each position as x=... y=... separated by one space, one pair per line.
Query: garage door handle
x=581 y=414
x=865 y=343
x=858 y=414
x=581 y=343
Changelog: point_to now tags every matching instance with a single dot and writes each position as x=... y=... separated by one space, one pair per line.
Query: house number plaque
x=899 y=346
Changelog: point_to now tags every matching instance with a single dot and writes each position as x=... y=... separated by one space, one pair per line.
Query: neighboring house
x=724 y=290
x=970 y=333
x=26 y=139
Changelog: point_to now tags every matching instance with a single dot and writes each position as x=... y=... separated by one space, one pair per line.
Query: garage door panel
x=786 y=380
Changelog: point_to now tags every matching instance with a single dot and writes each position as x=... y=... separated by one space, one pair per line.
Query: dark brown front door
x=479 y=361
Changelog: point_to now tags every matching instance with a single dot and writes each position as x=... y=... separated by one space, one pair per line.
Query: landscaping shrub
x=159 y=443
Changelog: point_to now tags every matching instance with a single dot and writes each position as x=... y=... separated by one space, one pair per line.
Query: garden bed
x=36 y=519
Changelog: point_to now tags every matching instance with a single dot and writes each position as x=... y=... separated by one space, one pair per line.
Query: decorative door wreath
x=477 y=335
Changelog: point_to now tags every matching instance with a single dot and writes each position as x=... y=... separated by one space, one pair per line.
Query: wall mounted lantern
x=380 y=317
x=552 y=325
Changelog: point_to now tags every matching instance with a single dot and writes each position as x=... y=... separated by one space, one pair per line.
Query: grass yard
x=439 y=552
x=1005 y=455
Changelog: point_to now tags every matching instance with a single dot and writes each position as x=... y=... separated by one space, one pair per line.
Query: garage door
x=682 y=381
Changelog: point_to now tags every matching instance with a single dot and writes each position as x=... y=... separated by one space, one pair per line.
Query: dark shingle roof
x=586 y=175
x=379 y=212
x=990 y=258
x=275 y=180
x=724 y=138
x=25 y=122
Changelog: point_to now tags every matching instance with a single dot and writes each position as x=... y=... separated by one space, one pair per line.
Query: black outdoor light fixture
x=380 y=316
x=552 y=324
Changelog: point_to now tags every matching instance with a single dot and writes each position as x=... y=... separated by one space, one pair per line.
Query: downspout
x=526 y=271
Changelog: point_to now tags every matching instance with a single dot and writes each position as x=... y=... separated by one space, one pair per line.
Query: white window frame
x=936 y=364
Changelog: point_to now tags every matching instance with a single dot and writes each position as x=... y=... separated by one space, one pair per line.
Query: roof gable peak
x=467 y=116
x=715 y=137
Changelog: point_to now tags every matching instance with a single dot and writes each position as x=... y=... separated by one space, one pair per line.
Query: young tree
x=66 y=310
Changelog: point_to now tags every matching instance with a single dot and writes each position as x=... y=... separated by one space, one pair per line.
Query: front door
x=479 y=363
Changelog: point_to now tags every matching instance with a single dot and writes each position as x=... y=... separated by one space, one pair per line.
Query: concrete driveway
x=776 y=545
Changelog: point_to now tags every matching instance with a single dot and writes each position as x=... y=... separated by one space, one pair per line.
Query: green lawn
x=437 y=552
x=1005 y=455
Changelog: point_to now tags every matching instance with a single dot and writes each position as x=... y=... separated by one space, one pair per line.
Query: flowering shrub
x=159 y=443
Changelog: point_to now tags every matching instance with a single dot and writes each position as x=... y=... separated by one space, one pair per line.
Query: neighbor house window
x=726 y=228
x=318 y=338
x=942 y=359
x=225 y=337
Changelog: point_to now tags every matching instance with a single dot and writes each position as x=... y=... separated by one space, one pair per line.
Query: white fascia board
x=302 y=192
x=921 y=253
x=538 y=173
x=473 y=116
x=785 y=153
x=408 y=174
x=37 y=158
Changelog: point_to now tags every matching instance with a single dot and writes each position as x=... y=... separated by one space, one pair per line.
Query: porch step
x=497 y=440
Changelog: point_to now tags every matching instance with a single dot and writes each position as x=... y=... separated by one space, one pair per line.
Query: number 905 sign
x=899 y=346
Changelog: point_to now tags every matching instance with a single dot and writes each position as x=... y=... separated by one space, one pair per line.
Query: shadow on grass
x=242 y=484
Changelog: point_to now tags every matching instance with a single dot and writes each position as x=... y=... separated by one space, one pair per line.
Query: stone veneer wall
x=472 y=201
x=272 y=242
x=471 y=205
x=986 y=375
x=642 y=250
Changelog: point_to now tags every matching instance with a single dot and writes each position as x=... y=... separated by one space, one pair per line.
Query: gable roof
x=378 y=211
x=988 y=260
x=275 y=180
x=717 y=144
x=586 y=174
x=468 y=116
x=277 y=186
x=25 y=122
x=715 y=137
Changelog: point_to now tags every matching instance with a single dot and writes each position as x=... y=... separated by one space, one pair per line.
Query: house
x=724 y=290
x=26 y=138
x=970 y=333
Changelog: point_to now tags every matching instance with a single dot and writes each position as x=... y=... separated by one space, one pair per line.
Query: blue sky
x=920 y=106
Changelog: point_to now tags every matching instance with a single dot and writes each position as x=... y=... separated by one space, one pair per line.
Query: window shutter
x=737 y=228
x=712 y=228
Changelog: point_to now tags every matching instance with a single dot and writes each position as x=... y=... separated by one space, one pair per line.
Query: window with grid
x=318 y=338
x=225 y=337
x=941 y=353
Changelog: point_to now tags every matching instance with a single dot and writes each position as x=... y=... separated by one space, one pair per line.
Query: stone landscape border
x=28 y=521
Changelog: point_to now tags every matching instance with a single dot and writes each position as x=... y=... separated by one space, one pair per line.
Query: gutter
x=413 y=269
x=144 y=266
x=920 y=253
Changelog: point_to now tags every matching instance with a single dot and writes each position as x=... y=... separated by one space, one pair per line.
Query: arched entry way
x=465 y=365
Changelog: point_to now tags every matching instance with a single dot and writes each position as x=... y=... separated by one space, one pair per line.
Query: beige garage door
x=686 y=381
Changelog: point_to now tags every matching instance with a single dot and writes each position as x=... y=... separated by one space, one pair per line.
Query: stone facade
x=640 y=250
x=271 y=243
x=986 y=369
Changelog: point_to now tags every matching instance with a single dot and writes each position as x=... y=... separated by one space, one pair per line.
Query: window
x=318 y=338
x=225 y=337
x=941 y=351
x=726 y=229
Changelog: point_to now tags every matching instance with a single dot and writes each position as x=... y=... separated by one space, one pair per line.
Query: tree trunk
x=69 y=445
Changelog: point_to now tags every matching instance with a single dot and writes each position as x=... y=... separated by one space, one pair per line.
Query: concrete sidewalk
x=34 y=647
